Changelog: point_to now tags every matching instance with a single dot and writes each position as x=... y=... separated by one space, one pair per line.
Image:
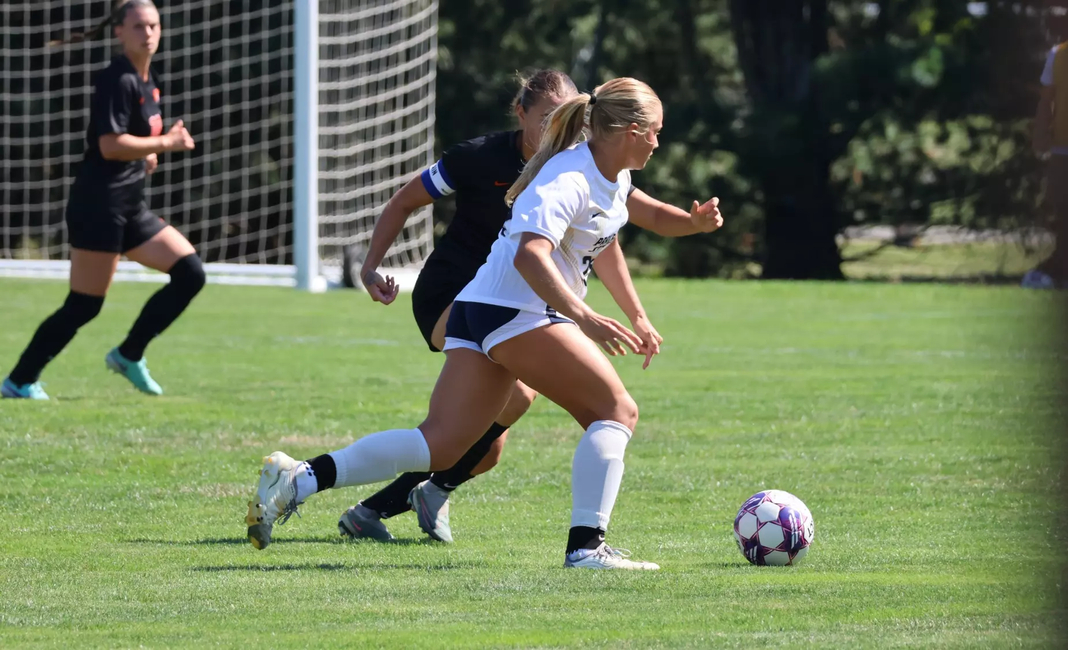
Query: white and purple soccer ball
x=773 y=528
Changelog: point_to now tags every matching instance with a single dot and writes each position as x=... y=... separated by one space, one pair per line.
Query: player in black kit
x=106 y=212
x=479 y=172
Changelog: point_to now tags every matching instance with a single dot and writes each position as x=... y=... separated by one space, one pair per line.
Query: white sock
x=307 y=484
x=381 y=456
x=596 y=473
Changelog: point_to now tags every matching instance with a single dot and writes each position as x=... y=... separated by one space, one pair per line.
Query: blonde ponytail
x=564 y=129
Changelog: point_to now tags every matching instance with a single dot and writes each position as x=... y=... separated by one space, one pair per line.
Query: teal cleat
x=25 y=391
x=135 y=371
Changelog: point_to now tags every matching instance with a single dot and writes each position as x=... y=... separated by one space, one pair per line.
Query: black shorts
x=96 y=223
x=480 y=326
x=438 y=285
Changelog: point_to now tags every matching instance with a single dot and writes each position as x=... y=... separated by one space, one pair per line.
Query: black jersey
x=123 y=102
x=479 y=171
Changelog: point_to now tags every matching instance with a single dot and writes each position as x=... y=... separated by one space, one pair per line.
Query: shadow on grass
x=273 y=567
x=999 y=279
x=252 y=568
x=239 y=541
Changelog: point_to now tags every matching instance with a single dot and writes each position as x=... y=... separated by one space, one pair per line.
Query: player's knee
x=492 y=457
x=188 y=276
x=444 y=452
x=79 y=308
x=625 y=411
x=518 y=404
x=619 y=408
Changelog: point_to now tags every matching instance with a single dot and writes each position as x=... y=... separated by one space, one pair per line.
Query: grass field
x=998 y=262
x=914 y=420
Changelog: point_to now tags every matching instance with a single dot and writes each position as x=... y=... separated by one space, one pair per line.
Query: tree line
x=804 y=116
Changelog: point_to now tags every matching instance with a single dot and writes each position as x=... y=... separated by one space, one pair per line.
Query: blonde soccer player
x=478 y=172
x=523 y=317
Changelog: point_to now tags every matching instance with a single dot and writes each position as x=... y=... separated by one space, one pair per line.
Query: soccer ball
x=773 y=528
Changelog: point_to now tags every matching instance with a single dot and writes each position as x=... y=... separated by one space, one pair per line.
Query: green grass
x=966 y=262
x=912 y=419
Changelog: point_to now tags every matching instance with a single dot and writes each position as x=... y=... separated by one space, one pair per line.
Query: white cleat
x=276 y=498
x=606 y=557
x=431 y=506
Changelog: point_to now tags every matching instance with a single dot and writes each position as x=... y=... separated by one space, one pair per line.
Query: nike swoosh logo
x=500 y=184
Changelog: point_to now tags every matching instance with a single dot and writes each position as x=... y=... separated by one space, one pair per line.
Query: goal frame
x=306 y=147
x=307 y=273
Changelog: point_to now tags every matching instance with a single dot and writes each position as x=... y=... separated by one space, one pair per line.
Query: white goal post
x=307 y=116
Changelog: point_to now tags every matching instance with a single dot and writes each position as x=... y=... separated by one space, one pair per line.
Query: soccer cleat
x=276 y=497
x=359 y=522
x=431 y=505
x=135 y=371
x=25 y=391
x=605 y=557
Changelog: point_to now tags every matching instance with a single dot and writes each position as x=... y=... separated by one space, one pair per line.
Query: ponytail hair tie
x=593 y=99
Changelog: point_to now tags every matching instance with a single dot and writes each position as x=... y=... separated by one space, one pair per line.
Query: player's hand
x=650 y=338
x=613 y=337
x=151 y=162
x=383 y=290
x=706 y=218
x=178 y=139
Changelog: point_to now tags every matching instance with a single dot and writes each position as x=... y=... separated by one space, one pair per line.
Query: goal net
x=226 y=69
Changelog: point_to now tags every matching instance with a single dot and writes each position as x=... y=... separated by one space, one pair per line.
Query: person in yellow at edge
x=1051 y=137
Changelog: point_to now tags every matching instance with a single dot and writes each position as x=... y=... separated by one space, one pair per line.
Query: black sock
x=324 y=469
x=54 y=334
x=164 y=307
x=584 y=537
x=392 y=500
x=460 y=473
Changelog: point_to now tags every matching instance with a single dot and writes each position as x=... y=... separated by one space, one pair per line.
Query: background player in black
x=479 y=171
x=107 y=215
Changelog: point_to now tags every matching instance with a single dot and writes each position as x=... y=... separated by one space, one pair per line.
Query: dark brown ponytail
x=541 y=84
x=119 y=9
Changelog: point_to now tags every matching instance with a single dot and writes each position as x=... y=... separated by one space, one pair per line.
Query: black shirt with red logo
x=123 y=102
x=479 y=171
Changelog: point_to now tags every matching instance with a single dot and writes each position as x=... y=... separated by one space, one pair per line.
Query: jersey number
x=587 y=266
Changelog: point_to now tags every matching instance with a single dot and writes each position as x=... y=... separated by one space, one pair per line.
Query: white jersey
x=570 y=203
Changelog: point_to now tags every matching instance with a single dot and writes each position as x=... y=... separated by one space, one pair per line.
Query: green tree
x=903 y=111
x=788 y=143
x=804 y=116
